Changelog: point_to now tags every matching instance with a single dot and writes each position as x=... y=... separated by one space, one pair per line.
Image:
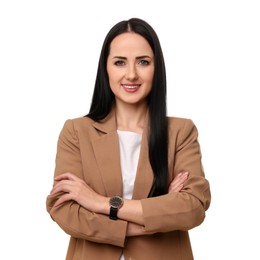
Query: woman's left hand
x=72 y=187
x=178 y=182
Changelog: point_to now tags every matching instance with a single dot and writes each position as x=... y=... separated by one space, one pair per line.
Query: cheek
x=150 y=80
x=149 y=76
x=114 y=75
x=114 y=80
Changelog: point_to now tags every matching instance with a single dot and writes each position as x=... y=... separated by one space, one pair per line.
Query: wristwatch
x=115 y=203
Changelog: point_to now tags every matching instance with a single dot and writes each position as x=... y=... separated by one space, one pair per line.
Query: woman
x=129 y=182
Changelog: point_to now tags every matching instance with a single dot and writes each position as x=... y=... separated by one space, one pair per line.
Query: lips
x=130 y=88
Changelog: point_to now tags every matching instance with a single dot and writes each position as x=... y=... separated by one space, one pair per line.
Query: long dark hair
x=103 y=99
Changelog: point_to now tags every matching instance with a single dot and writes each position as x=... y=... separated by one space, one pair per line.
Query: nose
x=131 y=73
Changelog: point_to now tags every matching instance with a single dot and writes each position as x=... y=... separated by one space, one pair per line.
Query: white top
x=129 y=143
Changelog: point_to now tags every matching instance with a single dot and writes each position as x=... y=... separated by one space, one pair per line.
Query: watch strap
x=113 y=213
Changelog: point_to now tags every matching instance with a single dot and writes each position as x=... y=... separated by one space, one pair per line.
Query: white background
x=49 y=52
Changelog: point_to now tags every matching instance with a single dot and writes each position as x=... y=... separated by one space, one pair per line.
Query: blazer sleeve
x=186 y=209
x=74 y=219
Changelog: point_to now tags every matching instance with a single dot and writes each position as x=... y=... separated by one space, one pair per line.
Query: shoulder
x=78 y=122
x=74 y=126
x=182 y=128
x=178 y=123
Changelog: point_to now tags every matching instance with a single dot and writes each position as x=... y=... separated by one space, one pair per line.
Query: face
x=130 y=68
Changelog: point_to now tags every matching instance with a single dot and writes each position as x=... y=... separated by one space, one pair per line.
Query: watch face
x=116 y=202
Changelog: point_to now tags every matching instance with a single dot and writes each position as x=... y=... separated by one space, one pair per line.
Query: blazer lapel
x=106 y=150
x=144 y=175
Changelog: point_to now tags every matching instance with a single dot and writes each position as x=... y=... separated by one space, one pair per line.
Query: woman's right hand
x=177 y=183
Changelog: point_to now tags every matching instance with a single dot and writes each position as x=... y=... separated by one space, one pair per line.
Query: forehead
x=130 y=43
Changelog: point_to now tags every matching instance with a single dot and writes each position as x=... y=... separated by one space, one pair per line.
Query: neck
x=131 y=117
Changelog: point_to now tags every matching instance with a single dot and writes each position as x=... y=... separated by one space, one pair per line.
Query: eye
x=119 y=63
x=144 y=62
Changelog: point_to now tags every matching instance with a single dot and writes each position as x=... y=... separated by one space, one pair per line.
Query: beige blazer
x=91 y=151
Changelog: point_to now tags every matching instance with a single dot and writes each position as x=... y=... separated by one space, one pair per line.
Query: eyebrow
x=139 y=57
